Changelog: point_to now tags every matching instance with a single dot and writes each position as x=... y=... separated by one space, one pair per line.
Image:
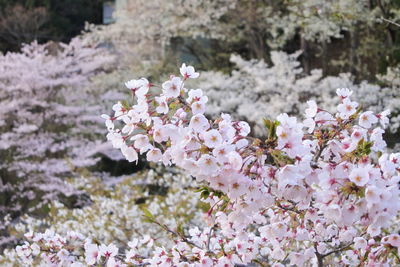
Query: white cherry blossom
x=359 y=176
x=367 y=119
x=347 y=108
x=188 y=72
x=172 y=88
x=212 y=138
x=139 y=87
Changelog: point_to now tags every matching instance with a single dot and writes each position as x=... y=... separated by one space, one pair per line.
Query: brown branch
x=182 y=237
x=391 y=22
x=287 y=208
x=319 y=256
x=337 y=250
x=209 y=237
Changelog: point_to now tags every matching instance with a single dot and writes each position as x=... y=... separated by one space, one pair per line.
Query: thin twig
x=337 y=250
x=209 y=238
x=320 y=257
x=183 y=238
x=391 y=22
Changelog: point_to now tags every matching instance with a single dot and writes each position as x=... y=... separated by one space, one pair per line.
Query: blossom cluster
x=115 y=215
x=317 y=191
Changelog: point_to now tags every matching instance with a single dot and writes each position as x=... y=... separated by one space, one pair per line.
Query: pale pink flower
x=92 y=254
x=358 y=134
x=158 y=135
x=212 y=138
x=344 y=92
x=109 y=251
x=377 y=138
x=372 y=195
x=347 y=108
x=367 y=119
x=141 y=142
x=359 y=176
x=394 y=240
x=118 y=109
x=116 y=139
x=109 y=122
x=172 y=88
x=237 y=186
x=188 y=72
x=221 y=152
x=198 y=107
x=310 y=124
x=235 y=160
x=207 y=164
x=199 y=123
x=244 y=128
x=130 y=124
x=195 y=95
x=383 y=118
x=139 y=87
x=297 y=258
x=360 y=243
x=312 y=109
x=162 y=105
x=278 y=254
x=154 y=155
x=129 y=153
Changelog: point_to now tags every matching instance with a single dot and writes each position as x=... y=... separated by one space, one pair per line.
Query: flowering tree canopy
x=320 y=191
x=46 y=124
x=336 y=36
x=286 y=88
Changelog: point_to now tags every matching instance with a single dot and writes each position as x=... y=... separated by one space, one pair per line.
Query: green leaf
x=204 y=194
x=267 y=123
x=280 y=158
x=271 y=127
x=201 y=189
x=179 y=229
x=125 y=104
x=147 y=213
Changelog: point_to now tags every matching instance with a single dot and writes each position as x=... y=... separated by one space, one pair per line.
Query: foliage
x=335 y=36
x=19 y=25
x=56 y=20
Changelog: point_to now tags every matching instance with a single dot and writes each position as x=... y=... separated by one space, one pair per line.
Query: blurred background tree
x=23 y=21
x=336 y=36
